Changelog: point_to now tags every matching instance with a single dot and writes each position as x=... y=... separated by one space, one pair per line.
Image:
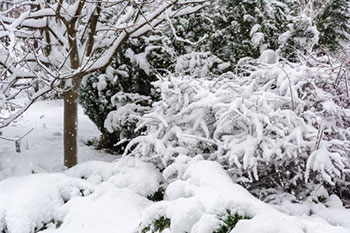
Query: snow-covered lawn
x=105 y=196
x=42 y=149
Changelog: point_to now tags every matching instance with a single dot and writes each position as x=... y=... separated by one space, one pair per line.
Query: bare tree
x=53 y=44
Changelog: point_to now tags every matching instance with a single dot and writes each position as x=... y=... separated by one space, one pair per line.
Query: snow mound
x=141 y=177
x=31 y=202
x=108 y=210
x=128 y=172
x=94 y=172
x=112 y=198
x=203 y=192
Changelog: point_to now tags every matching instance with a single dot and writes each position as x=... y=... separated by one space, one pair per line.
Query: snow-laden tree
x=333 y=22
x=234 y=29
x=53 y=45
x=282 y=122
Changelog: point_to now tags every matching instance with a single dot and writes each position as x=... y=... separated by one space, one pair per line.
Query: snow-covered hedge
x=284 y=122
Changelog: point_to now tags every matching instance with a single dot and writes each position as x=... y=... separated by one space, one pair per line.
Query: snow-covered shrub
x=208 y=42
x=25 y=206
x=125 y=173
x=234 y=29
x=229 y=221
x=200 y=193
x=123 y=84
x=283 y=124
x=302 y=35
x=122 y=121
x=199 y=64
x=158 y=225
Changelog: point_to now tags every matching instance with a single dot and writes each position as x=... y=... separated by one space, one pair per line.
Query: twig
x=17 y=139
x=290 y=88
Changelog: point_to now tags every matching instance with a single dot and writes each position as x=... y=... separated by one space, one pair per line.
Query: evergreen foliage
x=229 y=221
x=158 y=226
x=333 y=22
x=209 y=42
x=157 y=196
x=235 y=29
x=123 y=76
x=301 y=37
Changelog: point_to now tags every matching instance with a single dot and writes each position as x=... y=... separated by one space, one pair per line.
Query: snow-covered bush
x=283 y=124
x=158 y=225
x=198 y=198
x=229 y=221
x=123 y=84
x=211 y=41
x=302 y=35
x=125 y=173
x=122 y=121
x=26 y=207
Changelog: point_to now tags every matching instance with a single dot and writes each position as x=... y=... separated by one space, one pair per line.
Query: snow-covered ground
x=104 y=196
x=42 y=149
x=112 y=197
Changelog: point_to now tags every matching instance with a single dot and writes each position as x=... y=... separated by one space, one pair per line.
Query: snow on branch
x=50 y=46
x=279 y=116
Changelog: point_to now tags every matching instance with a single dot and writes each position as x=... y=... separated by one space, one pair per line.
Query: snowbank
x=29 y=203
x=112 y=198
x=203 y=191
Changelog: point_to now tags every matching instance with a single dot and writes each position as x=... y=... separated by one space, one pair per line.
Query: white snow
x=111 y=197
x=29 y=202
x=42 y=149
x=117 y=203
x=205 y=191
x=268 y=56
x=109 y=210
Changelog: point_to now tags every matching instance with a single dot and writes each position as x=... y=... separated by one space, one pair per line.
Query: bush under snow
x=111 y=198
x=290 y=117
x=201 y=192
x=31 y=203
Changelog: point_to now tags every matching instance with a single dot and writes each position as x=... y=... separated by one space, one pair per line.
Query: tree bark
x=70 y=97
x=71 y=124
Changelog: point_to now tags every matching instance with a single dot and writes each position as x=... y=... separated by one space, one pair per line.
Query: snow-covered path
x=42 y=149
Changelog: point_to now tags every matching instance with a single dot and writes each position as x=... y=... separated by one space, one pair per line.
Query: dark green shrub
x=333 y=23
x=229 y=221
x=157 y=196
x=157 y=226
x=98 y=90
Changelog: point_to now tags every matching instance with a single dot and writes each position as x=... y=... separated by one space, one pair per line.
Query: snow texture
x=203 y=191
x=111 y=197
x=279 y=115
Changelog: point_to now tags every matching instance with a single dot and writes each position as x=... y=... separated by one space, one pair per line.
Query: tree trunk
x=71 y=124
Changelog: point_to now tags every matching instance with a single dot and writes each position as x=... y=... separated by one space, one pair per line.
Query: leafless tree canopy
x=51 y=45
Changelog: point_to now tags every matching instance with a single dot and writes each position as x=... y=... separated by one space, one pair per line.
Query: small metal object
x=18 y=146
